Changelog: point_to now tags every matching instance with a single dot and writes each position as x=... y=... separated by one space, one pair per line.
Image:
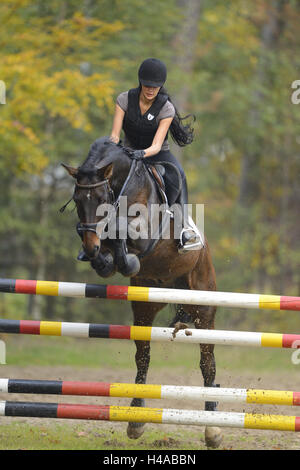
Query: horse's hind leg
x=213 y=435
x=144 y=314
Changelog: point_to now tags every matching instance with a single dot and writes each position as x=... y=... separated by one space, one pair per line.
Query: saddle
x=168 y=181
x=166 y=176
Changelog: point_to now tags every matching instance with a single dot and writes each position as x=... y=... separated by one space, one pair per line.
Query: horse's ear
x=108 y=171
x=72 y=171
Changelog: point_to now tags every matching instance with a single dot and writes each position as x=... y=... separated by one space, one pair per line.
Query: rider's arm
x=159 y=137
x=117 y=124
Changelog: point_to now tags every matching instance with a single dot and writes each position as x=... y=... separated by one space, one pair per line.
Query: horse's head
x=92 y=188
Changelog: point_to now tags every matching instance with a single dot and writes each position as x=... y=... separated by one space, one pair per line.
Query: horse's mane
x=102 y=152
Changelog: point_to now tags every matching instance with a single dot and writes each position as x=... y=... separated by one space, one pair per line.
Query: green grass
x=116 y=354
x=56 y=436
x=91 y=436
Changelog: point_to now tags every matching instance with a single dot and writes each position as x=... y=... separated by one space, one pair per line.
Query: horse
x=107 y=174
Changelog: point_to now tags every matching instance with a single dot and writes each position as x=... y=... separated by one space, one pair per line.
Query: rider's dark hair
x=182 y=134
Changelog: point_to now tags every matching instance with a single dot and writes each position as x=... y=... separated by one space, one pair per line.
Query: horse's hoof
x=104 y=265
x=131 y=266
x=213 y=437
x=135 y=430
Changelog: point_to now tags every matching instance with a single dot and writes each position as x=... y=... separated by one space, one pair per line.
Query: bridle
x=91 y=186
x=92 y=227
x=115 y=202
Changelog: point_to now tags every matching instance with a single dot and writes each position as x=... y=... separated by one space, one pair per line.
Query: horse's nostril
x=91 y=250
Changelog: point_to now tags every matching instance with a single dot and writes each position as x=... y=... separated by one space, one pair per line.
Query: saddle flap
x=158 y=172
x=168 y=180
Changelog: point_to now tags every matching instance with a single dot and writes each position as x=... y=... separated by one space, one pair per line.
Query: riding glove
x=138 y=154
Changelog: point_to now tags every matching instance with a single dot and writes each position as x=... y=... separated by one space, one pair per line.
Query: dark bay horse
x=107 y=174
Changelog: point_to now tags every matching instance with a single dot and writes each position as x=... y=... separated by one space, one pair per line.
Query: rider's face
x=150 y=93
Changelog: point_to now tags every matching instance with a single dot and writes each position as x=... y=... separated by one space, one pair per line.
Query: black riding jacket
x=141 y=129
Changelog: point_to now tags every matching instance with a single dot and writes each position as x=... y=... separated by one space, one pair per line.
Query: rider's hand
x=138 y=154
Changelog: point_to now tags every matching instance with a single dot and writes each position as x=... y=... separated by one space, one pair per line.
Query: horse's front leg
x=128 y=263
x=144 y=314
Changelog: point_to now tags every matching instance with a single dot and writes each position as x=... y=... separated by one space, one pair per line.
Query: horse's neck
x=140 y=188
x=121 y=170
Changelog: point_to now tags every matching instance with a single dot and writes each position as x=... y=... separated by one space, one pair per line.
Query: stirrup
x=190 y=238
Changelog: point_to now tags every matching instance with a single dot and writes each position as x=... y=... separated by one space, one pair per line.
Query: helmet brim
x=152 y=84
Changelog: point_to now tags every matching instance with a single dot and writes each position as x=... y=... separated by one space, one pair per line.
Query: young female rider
x=146 y=115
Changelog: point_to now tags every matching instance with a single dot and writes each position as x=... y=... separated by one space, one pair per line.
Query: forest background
x=232 y=64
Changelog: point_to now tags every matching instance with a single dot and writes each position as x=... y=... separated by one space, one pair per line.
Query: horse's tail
x=179 y=315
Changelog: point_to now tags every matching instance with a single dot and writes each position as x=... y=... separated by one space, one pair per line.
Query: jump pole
x=150 y=294
x=127 y=390
x=150 y=415
x=148 y=333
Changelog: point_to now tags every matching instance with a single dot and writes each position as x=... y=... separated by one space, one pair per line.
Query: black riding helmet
x=153 y=73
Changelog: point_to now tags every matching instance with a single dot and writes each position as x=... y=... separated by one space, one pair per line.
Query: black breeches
x=171 y=182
